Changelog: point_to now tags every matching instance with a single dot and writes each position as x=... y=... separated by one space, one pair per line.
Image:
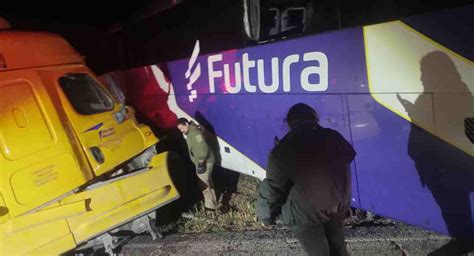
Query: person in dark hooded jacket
x=309 y=182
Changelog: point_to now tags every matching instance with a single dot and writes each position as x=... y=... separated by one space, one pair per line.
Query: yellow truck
x=75 y=166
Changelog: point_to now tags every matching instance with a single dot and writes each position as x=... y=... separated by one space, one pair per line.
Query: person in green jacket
x=202 y=157
x=308 y=182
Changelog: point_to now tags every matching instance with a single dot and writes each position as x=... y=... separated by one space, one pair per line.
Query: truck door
x=108 y=137
x=38 y=163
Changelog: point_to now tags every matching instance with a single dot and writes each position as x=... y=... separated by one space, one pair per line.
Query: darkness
x=116 y=35
x=85 y=12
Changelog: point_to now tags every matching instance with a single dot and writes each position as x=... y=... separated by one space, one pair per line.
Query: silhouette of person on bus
x=443 y=167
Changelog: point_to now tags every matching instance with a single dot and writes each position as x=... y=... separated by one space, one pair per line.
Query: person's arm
x=200 y=149
x=344 y=149
x=200 y=152
x=273 y=192
x=345 y=155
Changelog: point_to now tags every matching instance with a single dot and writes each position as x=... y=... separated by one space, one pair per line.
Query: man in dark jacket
x=308 y=181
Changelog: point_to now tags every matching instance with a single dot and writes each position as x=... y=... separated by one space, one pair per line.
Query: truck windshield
x=85 y=94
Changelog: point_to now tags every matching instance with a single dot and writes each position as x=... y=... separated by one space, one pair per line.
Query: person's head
x=439 y=73
x=183 y=125
x=301 y=114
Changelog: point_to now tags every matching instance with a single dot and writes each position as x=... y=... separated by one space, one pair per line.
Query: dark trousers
x=324 y=239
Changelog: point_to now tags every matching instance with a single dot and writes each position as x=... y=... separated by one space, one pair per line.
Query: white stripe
x=193 y=58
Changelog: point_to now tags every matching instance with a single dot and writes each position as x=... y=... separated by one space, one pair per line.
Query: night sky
x=91 y=26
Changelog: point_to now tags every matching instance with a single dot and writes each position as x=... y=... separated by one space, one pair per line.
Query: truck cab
x=70 y=153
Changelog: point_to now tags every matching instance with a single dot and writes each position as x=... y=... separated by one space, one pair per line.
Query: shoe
x=210 y=209
x=223 y=209
x=188 y=215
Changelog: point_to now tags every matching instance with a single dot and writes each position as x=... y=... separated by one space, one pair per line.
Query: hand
x=276 y=140
x=405 y=103
x=201 y=167
x=423 y=183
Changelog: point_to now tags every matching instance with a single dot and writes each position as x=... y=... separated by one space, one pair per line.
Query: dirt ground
x=236 y=231
x=397 y=239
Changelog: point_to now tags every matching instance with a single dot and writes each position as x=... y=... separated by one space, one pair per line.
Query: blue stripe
x=96 y=127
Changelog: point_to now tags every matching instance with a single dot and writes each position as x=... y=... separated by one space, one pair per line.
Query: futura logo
x=249 y=75
x=194 y=74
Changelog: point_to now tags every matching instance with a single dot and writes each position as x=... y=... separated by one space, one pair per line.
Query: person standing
x=202 y=157
x=309 y=183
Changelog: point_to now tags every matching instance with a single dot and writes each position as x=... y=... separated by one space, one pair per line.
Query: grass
x=241 y=214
